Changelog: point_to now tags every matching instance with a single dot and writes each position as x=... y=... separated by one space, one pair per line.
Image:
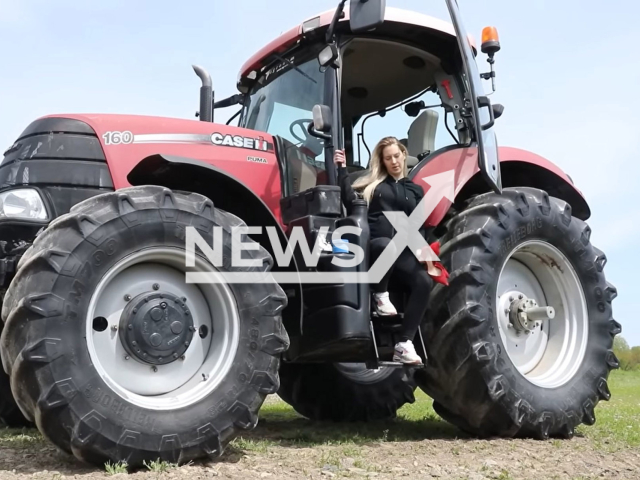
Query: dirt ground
x=440 y=456
x=441 y=459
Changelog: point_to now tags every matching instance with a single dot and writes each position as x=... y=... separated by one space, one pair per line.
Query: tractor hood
x=247 y=155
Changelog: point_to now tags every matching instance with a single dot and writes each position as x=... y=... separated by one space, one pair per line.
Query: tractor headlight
x=23 y=203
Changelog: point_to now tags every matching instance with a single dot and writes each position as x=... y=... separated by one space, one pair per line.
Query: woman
x=387 y=188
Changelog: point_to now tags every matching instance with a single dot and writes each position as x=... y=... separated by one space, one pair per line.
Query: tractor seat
x=420 y=142
x=421 y=139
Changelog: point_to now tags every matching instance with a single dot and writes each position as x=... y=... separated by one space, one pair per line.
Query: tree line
x=629 y=357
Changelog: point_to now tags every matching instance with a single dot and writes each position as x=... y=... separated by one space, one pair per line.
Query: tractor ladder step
x=377 y=363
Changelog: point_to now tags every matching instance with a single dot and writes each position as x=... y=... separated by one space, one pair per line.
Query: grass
x=20 y=438
x=617 y=420
x=280 y=425
x=115 y=468
x=615 y=428
x=159 y=466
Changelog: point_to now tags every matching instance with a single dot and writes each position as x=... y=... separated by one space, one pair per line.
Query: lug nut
x=506 y=310
x=511 y=299
x=127 y=357
x=114 y=327
x=156 y=286
x=175 y=355
x=520 y=296
x=182 y=357
x=154 y=368
x=163 y=305
x=130 y=327
x=510 y=325
x=127 y=297
x=184 y=299
x=134 y=343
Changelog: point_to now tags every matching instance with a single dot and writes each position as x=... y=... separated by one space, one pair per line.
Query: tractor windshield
x=282 y=101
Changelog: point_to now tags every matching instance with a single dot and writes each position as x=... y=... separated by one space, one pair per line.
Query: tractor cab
x=343 y=80
x=407 y=77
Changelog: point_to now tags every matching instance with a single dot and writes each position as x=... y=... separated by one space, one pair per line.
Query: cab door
x=480 y=105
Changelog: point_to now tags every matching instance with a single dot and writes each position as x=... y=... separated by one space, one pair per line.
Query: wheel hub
x=156 y=328
x=525 y=315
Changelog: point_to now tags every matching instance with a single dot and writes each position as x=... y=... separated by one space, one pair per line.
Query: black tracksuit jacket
x=390 y=195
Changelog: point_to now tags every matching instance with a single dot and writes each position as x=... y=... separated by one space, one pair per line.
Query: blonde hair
x=377 y=171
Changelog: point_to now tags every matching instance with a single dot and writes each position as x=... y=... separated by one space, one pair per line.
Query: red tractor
x=116 y=357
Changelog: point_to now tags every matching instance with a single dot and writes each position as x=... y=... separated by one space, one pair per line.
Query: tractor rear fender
x=229 y=194
x=520 y=168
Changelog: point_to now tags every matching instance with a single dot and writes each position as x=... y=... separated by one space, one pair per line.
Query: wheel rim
x=210 y=353
x=358 y=372
x=550 y=354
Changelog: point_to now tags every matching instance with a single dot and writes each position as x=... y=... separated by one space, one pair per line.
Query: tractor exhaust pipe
x=206 y=95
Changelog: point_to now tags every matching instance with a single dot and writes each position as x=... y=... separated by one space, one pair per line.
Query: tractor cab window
x=281 y=103
x=382 y=84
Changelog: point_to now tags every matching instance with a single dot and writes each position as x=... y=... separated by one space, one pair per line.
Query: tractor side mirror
x=498 y=110
x=321 y=125
x=366 y=15
x=322 y=118
x=328 y=56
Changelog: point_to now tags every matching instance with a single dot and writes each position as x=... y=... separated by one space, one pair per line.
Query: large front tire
x=491 y=376
x=88 y=287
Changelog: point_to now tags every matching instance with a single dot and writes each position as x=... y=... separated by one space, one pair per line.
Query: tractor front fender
x=229 y=194
x=519 y=168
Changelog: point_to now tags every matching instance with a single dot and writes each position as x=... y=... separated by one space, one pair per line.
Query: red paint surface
x=464 y=162
x=263 y=179
x=287 y=39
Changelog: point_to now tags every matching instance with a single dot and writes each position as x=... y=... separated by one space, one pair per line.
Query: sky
x=567 y=75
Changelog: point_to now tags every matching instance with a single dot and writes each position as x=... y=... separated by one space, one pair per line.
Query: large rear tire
x=94 y=361
x=345 y=392
x=492 y=376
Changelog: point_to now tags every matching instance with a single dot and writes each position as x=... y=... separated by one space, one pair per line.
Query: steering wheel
x=300 y=123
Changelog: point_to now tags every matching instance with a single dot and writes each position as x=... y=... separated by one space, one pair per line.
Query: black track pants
x=412 y=277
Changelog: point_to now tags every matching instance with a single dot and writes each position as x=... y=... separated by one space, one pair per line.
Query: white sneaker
x=383 y=305
x=406 y=353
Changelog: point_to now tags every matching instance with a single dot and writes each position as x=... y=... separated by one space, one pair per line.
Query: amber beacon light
x=490 y=41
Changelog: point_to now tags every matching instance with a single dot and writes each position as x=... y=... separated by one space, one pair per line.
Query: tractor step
x=380 y=364
x=376 y=362
x=399 y=316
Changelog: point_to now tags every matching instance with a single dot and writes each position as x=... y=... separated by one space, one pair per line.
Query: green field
x=617 y=426
x=617 y=423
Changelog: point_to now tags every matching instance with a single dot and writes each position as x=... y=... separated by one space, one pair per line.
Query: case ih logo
x=407 y=235
x=240 y=142
x=216 y=138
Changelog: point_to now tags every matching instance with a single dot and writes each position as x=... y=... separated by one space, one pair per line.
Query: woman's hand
x=339 y=159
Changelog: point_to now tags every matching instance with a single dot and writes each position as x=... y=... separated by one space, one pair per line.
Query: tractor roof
x=322 y=21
